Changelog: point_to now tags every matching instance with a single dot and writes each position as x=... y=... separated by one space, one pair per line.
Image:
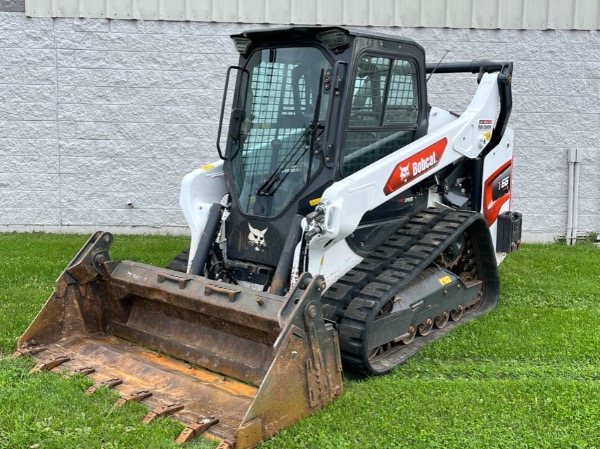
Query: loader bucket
x=233 y=362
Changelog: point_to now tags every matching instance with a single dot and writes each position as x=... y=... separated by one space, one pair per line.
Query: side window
x=369 y=86
x=401 y=105
x=384 y=110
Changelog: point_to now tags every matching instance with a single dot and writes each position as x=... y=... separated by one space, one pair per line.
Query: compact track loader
x=346 y=224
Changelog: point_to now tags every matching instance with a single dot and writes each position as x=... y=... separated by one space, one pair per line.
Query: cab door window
x=383 y=113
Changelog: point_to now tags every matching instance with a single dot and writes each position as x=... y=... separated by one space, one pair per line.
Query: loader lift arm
x=504 y=70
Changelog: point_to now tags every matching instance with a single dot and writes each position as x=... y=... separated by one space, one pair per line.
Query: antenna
x=438 y=64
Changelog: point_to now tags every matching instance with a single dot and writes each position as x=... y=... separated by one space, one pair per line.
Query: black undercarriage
x=413 y=289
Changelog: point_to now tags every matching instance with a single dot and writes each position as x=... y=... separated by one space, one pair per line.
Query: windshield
x=271 y=157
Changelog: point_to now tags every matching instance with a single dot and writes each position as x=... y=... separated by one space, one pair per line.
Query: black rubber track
x=354 y=301
x=180 y=262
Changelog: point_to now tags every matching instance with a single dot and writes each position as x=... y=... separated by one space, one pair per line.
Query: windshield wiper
x=270 y=185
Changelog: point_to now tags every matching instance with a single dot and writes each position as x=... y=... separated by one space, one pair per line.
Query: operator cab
x=310 y=107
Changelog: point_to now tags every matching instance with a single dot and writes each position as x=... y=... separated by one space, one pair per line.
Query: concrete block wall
x=97 y=113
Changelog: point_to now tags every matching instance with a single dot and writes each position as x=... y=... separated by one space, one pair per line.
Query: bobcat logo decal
x=415 y=166
x=256 y=238
x=404 y=172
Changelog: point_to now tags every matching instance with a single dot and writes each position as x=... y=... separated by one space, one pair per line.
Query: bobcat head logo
x=256 y=238
x=404 y=172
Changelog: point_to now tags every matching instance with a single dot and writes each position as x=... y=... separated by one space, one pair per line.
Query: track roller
x=425 y=328
x=412 y=332
x=441 y=321
x=457 y=313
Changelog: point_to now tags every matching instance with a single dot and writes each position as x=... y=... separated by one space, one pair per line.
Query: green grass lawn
x=525 y=376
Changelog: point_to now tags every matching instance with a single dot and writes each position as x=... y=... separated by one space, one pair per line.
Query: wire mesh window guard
x=277 y=112
x=383 y=115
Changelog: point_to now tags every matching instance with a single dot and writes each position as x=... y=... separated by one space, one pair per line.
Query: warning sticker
x=485 y=125
x=445 y=280
x=207 y=167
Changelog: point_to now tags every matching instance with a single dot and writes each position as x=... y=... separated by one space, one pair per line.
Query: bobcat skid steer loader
x=346 y=224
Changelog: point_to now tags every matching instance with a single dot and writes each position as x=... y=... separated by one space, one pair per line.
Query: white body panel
x=199 y=190
x=439 y=117
x=334 y=263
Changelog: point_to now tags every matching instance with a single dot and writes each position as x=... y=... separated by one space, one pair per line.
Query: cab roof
x=271 y=35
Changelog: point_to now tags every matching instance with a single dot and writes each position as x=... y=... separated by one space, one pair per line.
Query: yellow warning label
x=488 y=135
x=445 y=280
x=314 y=202
x=207 y=167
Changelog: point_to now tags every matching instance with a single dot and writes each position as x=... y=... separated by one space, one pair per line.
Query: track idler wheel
x=457 y=313
x=425 y=328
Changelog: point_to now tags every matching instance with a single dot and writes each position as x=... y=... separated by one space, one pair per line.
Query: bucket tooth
x=85 y=371
x=165 y=410
x=133 y=397
x=31 y=350
x=110 y=383
x=196 y=429
x=50 y=364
